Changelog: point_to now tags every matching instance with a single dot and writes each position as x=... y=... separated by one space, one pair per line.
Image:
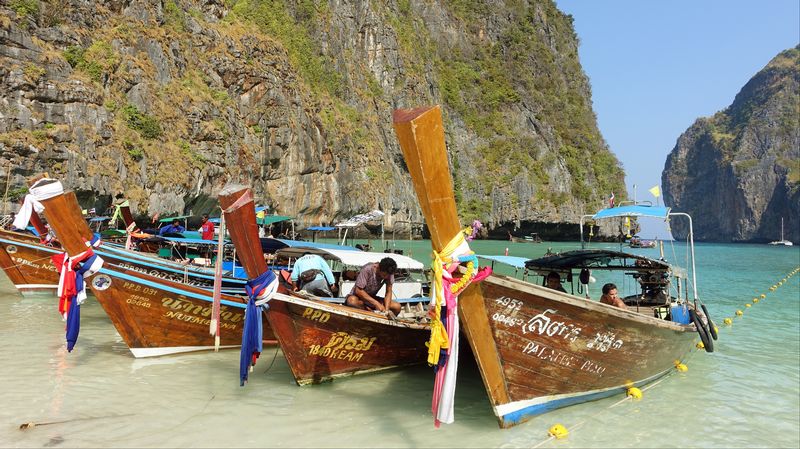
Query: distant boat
x=637 y=242
x=532 y=238
x=782 y=241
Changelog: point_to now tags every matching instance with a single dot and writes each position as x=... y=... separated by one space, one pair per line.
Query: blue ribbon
x=252 y=334
x=73 y=323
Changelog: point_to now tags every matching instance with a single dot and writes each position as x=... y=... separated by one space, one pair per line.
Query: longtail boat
x=26 y=262
x=537 y=349
x=322 y=340
x=153 y=316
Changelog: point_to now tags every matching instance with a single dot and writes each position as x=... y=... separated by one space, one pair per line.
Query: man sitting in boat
x=370 y=279
x=312 y=274
x=610 y=296
x=174 y=228
x=554 y=281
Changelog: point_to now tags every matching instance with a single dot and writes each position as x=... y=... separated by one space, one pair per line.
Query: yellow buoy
x=763 y=296
x=747 y=305
x=716 y=329
x=728 y=321
x=739 y=313
x=681 y=367
x=635 y=393
x=558 y=431
x=755 y=299
x=700 y=345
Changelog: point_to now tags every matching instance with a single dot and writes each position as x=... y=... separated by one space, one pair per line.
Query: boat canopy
x=600 y=259
x=96 y=219
x=188 y=241
x=357 y=220
x=269 y=219
x=354 y=258
x=320 y=228
x=170 y=219
x=516 y=262
x=271 y=245
x=638 y=210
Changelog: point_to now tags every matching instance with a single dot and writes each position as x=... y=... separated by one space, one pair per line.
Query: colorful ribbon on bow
x=72 y=287
x=443 y=345
x=260 y=290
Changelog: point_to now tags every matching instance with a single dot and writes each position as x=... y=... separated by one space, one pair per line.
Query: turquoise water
x=745 y=394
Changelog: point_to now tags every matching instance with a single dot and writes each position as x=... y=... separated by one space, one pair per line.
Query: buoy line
x=758 y=298
x=559 y=431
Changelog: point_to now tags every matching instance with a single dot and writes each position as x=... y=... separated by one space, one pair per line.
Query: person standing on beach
x=206 y=228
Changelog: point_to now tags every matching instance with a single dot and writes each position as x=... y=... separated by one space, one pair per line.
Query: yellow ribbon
x=439 y=338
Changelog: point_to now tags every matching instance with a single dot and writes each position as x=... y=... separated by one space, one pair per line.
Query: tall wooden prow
x=64 y=215
x=421 y=136
x=237 y=204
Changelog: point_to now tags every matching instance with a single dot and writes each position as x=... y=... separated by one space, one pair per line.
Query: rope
x=728 y=321
x=759 y=298
x=579 y=424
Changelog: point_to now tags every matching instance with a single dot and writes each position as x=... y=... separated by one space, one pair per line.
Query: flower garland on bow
x=443 y=345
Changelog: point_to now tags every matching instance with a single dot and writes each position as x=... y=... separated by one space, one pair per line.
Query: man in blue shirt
x=312 y=274
x=174 y=228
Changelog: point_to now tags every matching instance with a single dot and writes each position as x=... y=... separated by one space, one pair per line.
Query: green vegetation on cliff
x=189 y=89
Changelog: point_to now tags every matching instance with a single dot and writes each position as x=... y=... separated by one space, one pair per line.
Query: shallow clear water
x=745 y=394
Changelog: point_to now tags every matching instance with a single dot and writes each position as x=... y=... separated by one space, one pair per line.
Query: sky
x=657 y=66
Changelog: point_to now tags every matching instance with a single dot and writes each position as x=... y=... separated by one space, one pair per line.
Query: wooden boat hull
x=556 y=349
x=537 y=349
x=154 y=316
x=158 y=317
x=27 y=264
x=323 y=341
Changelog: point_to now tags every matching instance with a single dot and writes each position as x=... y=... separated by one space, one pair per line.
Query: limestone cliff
x=738 y=172
x=163 y=102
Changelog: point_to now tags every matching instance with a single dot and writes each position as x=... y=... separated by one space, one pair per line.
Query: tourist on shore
x=206 y=228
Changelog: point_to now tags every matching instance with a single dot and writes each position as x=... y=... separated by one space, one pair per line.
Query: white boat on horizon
x=782 y=241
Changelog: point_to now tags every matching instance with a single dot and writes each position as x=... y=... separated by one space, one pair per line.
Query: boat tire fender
x=711 y=327
x=708 y=343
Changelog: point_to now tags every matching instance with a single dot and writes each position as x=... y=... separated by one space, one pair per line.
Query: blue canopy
x=321 y=228
x=638 y=210
x=270 y=245
x=170 y=219
x=96 y=219
x=193 y=241
x=260 y=208
x=270 y=219
x=516 y=262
